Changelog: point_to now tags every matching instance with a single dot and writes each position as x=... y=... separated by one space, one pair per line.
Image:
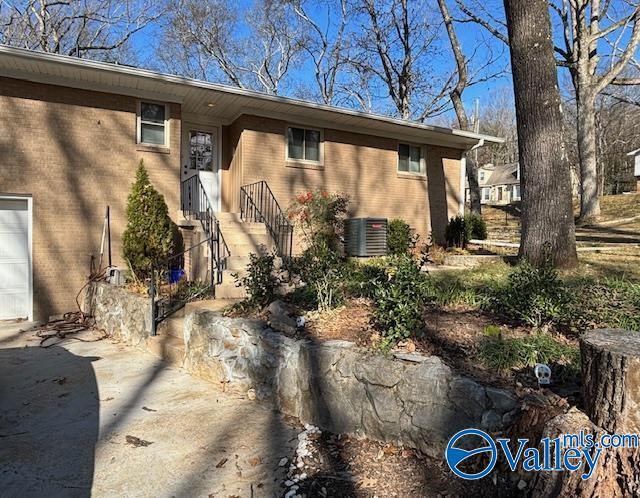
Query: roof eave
x=466 y=139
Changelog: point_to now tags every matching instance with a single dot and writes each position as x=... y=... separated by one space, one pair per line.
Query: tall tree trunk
x=474 y=186
x=547 y=214
x=589 y=198
x=458 y=104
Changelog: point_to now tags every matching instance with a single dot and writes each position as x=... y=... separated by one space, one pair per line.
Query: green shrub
x=478 y=226
x=399 y=303
x=400 y=237
x=320 y=216
x=149 y=236
x=534 y=296
x=457 y=232
x=260 y=282
x=321 y=268
x=503 y=354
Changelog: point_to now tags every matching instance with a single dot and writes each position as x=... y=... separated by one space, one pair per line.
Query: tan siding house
x=72 y=133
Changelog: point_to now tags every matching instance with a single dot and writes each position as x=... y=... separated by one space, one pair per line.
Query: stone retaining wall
x=343 y=388
x=124 y=315
x=416 y=400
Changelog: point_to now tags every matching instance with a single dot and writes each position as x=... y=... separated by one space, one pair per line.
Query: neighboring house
x=635 y=154
x=73 y=131
x=499 y=184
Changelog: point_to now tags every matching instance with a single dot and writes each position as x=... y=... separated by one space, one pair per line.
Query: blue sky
x=470 y=35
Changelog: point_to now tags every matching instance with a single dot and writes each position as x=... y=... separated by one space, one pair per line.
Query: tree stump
x=611 y=378
x=611 y=388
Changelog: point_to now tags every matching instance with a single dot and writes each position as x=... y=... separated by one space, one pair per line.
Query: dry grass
x=619 y=263
x=615 y=207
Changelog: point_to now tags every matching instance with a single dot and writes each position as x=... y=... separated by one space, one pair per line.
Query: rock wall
x=415 y=399
x=124 y=315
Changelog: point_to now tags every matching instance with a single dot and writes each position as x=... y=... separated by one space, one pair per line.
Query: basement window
x=304 y=144
x=153 y=124
x=410 y=159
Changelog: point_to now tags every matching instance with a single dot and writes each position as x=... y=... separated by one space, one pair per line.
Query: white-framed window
x=410 y=159
x=304 y=144
x=481 y=175
x=153 y=124
x=486 y=193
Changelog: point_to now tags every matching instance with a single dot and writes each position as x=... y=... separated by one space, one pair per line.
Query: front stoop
x=242 y=239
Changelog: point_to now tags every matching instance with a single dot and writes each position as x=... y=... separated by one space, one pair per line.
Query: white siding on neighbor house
x=637 y=168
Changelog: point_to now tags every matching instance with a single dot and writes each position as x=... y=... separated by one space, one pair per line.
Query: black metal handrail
x=196 y=206
x=166 y=296
x=257 y=203
x=167 y=288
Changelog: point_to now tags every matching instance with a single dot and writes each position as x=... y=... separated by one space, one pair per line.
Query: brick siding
x=75 y=152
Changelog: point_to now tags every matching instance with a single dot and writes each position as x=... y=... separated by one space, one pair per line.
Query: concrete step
x=238 y=262
x=223 y=216
x=167 y=347
x=228 y=290
x=227 y=275
x=246 y=238
x=241 y=226
x=244 y=249
x=173 y=326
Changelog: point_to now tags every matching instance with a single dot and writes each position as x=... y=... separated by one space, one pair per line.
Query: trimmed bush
x=149 y=236
x=458 y=232
x=478 y=226
x=400 y=237
x=461 y=229
x=534 y=296
x=399 y=301
x=260 y=282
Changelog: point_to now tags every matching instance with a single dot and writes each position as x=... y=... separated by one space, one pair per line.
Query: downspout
x=463 y=175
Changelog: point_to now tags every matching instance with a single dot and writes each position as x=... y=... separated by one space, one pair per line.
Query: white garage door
x=15 y=256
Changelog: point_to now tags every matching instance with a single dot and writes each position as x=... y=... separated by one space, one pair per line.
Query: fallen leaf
x=221 y=463
x=137 y=442
x=149 y=409
x=255 y=461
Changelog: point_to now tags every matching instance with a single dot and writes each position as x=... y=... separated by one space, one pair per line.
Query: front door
x=200 y=157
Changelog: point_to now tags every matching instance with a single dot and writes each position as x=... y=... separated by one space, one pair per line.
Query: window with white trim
x=481 y=175
x=304 y=144
x=410 y=159
x=486 y=193
x=153 y=124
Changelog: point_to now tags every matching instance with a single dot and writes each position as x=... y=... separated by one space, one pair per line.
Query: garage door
x=15 y=255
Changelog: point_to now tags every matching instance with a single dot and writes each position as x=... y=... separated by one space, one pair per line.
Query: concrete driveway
x=103 y=419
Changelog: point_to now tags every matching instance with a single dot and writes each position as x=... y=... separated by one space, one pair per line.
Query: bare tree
x=463 y=81
x=325 y=45
x=598 y=40
x=213 y=38
x=82 y=28
x=587 y=26
x=547 y=211
x=498 y=118
x=397 y=44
